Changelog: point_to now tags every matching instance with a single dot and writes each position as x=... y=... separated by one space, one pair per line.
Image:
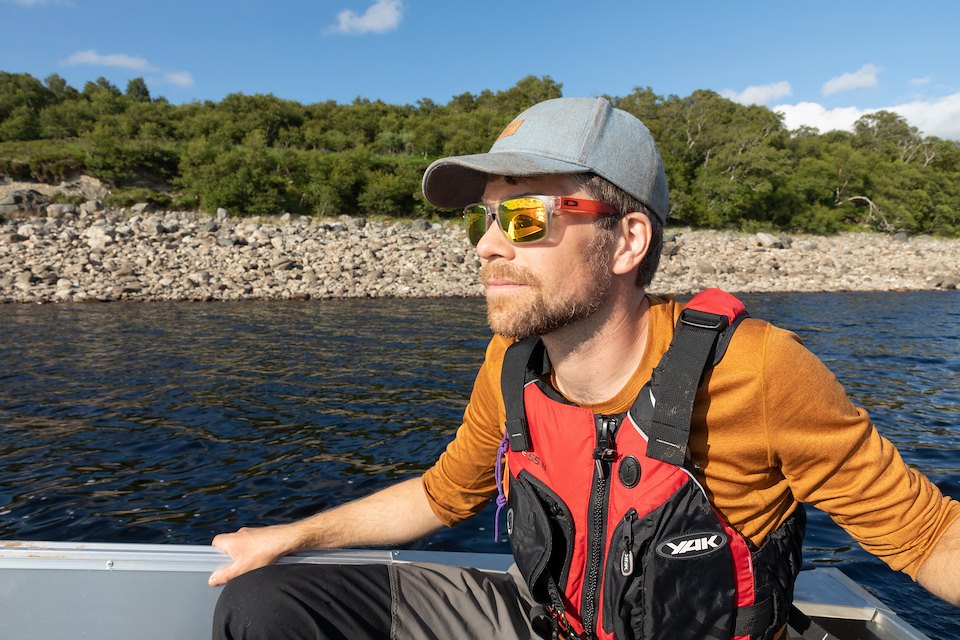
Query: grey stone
x=142 y=207
x=768 y=241
x=154 y=226
x=59 y=210
x=222 y=214
x=25 y=201
x=351 y=222
x=24 y=280
x=91 y=206
x=124 y=270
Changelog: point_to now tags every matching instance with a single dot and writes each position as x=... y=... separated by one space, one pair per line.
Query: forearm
x=940 y=573
x=400 y=513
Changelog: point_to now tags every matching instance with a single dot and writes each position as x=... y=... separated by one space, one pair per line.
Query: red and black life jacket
x=610 y=528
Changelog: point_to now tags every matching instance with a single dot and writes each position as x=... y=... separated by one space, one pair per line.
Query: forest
x=729 y=166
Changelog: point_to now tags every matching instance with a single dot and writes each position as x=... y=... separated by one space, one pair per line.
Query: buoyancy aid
x=610 y=528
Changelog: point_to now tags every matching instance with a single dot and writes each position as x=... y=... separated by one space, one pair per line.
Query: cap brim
x=457 y=181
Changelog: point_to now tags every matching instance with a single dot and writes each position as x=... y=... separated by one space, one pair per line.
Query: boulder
x=141 y=207
x=59 y=210
x=99 y=237
x=91 y=206
x=768 y=241
x=24 y=201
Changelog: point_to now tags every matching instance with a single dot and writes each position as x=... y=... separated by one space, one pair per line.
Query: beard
x=538 y=311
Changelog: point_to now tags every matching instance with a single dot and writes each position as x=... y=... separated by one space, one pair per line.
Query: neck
x=593 y=359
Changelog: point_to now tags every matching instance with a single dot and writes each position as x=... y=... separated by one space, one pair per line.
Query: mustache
x=501 y=271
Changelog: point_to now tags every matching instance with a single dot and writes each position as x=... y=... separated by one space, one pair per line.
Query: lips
x=497 y=274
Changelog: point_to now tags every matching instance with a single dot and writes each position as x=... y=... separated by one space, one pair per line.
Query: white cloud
x=919 y=82
x=120 y=60
x=938 y=117
x=179 y=78
x=865 y=76
x=34 y=3
x=133 y=63
x=759 y=94
x=381 y=16
x=812 y=114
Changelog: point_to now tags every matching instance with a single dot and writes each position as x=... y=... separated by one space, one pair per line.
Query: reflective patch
x=692 y=545
x=511 y=129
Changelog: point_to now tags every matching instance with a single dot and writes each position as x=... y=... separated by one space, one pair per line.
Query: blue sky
x=822 y=64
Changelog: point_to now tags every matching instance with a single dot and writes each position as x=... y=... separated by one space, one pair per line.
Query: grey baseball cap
x=559 y=137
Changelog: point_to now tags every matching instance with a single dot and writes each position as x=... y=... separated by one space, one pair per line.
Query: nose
x=494 y=244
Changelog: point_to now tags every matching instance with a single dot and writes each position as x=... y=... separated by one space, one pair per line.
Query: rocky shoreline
x=87 y=254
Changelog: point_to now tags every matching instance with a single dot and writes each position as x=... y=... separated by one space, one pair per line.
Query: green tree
x=22 y=124
x=59 y=88
x=137 y=90
x=22 y=90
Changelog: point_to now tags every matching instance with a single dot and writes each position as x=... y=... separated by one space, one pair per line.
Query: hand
x=251 y=549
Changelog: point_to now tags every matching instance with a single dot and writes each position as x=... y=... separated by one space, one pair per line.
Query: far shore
x=166 y=256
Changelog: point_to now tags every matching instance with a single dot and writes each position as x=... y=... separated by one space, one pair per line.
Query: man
x=567 y=212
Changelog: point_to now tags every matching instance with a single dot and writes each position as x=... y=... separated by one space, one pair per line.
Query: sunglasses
x=526 y=219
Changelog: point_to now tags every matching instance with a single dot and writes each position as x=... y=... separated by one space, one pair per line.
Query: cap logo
x=511 y=128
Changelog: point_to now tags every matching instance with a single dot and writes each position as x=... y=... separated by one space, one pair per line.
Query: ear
x=634 y=242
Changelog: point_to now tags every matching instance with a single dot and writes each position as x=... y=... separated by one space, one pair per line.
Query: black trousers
x=306 y=601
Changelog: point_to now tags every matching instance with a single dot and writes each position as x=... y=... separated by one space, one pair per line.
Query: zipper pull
x=626 y=560
x=606 y=446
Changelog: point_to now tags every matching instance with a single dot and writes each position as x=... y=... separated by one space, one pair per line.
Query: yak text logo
x=692 y=545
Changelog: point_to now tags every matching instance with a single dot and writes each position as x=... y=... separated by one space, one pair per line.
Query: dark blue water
x=173 y=422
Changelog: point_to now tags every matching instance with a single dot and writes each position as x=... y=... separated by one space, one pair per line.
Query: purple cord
x=501 y=498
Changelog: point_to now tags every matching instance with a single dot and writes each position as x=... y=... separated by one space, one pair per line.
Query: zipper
x=627 y=558
x=603 y=455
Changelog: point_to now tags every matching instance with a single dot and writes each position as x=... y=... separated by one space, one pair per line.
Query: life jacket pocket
x=669 y=575
x=541 y=535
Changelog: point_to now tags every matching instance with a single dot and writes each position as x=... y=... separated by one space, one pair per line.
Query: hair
x=605 y=191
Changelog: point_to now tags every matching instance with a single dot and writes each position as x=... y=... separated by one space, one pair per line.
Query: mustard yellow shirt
x=771 y=427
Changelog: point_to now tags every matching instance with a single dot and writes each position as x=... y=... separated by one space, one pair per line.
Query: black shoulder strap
x=513 y=377
x=703 y=331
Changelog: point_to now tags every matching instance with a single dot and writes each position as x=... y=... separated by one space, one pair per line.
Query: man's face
x=539 y=288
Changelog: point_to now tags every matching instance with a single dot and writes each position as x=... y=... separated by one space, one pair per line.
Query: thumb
x=227 y=572
x=223 y=575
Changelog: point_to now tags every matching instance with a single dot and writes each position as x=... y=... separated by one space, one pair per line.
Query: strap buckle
x=703 y=320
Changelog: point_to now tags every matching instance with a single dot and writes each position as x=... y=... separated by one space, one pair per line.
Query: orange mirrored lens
x=523 y=219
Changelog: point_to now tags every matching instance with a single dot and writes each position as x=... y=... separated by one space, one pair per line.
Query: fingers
x=248 y=549
x=225 y=542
